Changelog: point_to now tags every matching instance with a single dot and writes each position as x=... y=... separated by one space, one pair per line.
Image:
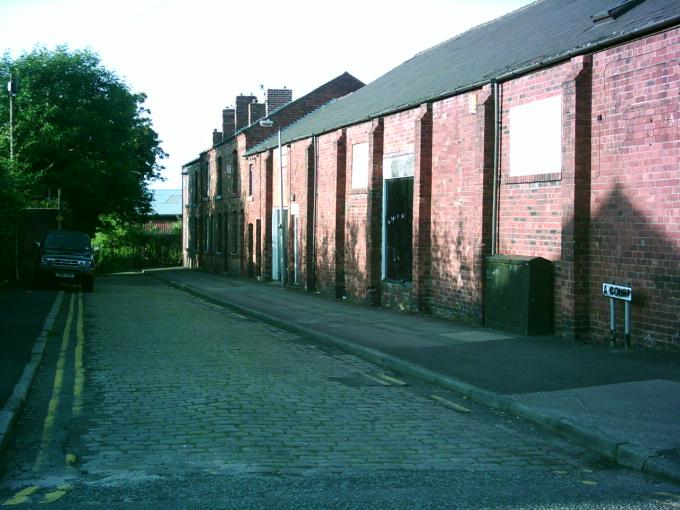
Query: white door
x=277 y=243
x=295 y=249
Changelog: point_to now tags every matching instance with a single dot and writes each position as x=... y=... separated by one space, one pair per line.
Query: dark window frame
x=234 y=173
x=218 y=184
x=398 y=229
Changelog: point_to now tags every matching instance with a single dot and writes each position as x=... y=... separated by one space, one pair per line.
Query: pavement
x=622 y=404
x=22 y=313
x=26 y=317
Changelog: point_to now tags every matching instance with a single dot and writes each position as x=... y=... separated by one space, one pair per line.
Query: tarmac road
x=150 y=398
x=22 y=313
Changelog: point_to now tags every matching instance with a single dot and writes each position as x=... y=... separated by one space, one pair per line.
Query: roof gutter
x=590 y=48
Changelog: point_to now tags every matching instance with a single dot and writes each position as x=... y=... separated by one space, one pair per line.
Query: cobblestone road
x=190 y=386
x=177 y=389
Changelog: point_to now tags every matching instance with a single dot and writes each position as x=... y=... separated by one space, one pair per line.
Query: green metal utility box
x=518 y=295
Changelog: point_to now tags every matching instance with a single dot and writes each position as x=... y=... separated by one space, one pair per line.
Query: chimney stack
x=276 y=98
x=217 y=136
x=242 y=103
x=256 y=111
x=228 y=122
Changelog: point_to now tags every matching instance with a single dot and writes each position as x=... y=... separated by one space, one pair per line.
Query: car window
x=67 y=241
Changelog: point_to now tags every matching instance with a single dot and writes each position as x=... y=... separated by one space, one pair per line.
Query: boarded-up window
x=536 y=137
x=398 y=217
x=360 y=165
x=399 y=228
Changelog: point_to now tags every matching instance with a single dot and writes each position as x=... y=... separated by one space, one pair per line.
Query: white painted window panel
x=398 y=166
x=360 y=165
x=536 y=137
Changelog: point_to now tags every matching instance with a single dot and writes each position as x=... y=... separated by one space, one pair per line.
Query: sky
x=193 y=57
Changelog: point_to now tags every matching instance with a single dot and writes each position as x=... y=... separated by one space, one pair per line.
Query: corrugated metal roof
x=166 y=202
x=541 y=32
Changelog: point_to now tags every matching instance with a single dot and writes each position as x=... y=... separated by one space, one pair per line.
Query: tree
x=78 y=128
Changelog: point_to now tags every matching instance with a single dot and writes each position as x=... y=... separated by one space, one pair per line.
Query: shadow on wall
x=325 y=266
x=355 y=274
x=625 y=246
x=456 y=273
x=629 y=247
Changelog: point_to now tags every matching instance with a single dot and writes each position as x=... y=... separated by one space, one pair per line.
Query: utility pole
x=282 y=224
x=12 y=90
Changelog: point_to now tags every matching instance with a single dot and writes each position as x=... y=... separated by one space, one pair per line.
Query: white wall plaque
x=536 y=137
x=360 y=165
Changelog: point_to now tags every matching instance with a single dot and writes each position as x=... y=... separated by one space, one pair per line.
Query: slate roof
x=538 y=34
x=166 y=202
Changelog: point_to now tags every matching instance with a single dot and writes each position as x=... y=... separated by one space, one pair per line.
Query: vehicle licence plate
x=64 y=275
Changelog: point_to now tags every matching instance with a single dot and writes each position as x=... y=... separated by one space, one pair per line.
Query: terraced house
x=531 y=159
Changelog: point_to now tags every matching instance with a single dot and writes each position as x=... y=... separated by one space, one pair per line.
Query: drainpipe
x=496 y=141
x=315 y=144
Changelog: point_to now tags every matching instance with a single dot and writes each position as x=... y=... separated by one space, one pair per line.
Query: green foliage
x=78 y=128
x=12 y=204
x=126 y=246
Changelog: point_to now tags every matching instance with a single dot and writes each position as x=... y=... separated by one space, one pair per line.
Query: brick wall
x=335 y=88
x=356 y=216
x=461 y=203
x=256 y=111
x=300 y=191
x=530 y=209
x=609 y=212
x=252 y=197
x=242 y=109
x=276 y=98
x=330 y=213
x=228 y=122
x=399 y=138
x=635 y=204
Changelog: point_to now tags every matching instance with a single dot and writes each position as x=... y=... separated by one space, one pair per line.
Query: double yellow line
x=79 y=377
x=75 y=313
x=24 y=495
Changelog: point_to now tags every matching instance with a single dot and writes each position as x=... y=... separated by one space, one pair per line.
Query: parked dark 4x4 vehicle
x=66 y=256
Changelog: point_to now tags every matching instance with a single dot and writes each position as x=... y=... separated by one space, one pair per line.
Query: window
x=398 y=217
x=218 y=186
x=194 y=187
x=536 y=137
x=204 y=178
x=360 y=165
x=209 y=179
x=398 y=229
x=250 y=180
x=234 y=173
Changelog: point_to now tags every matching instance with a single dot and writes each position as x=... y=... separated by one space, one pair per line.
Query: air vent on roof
x=616 y=11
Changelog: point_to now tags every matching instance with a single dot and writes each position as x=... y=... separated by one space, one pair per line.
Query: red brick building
x=225 y=197
x=550 y=132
